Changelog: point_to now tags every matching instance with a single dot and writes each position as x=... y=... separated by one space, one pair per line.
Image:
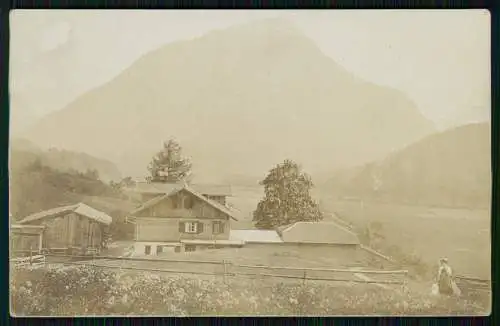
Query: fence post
x=225 y=271
x=304 y=277
x=31 y=255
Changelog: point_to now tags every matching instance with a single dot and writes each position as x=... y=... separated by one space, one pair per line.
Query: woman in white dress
x=445 y=281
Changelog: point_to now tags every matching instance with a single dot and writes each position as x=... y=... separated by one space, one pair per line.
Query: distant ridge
x=451 y=168
x=24 y=152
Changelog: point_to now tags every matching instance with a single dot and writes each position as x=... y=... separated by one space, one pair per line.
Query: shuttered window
x=191 y=227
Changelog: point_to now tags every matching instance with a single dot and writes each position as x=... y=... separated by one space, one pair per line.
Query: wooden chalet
x=183 y=219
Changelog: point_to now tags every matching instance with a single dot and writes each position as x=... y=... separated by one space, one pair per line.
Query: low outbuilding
x=25 y=240
x=75 y=228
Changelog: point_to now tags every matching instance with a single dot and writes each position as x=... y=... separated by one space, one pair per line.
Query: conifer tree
x=168 y=165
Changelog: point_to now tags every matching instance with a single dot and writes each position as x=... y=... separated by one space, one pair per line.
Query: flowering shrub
x=84 y=290
x=56 y=291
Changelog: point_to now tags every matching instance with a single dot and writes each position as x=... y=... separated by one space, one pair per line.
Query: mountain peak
x=238 y=100
x=268 y=31
x=269 y=25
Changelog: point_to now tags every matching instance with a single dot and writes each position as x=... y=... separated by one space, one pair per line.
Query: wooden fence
x=34 y=261
x=471 y=285
x=227 y=269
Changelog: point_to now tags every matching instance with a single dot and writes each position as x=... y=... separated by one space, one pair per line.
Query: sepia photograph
x=249 y=163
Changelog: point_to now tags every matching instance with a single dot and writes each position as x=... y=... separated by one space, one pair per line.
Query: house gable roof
x=210 y=202
x=213 y=190
x=79 y=208
x=166 y=188
x=318 y=233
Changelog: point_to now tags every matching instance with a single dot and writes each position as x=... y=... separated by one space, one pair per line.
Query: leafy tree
x=91 y=174
x=168 y=165
x=36 y=165
x=287 y=199
x=119 y=229
x=128 y=181
x=115 y=185
x=123 y=183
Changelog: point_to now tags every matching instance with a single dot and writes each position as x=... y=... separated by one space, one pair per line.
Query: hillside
x=242 y=98
x=24 y=152
x=36 y=187
x=41 y=180
x=451 y=168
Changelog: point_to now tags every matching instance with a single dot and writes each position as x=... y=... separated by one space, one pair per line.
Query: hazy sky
x=441 y=59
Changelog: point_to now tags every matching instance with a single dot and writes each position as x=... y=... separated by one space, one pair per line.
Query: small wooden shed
x=25 y=240
x=76 y=228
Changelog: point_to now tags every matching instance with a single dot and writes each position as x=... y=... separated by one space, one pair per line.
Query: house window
x=191 y=227
x=218 y=228
x=188 y=202
x=147 y=250
x=190 y=248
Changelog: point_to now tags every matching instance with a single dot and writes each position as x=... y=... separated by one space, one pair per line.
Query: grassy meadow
x=423 y=233
x=87 y=291
x=426 y=233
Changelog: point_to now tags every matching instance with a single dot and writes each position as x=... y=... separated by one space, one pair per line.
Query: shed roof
x=34 y=227
x=255 y=236
x=79 y=208
x=26 y=229
x=165 y=188
x=187 y=188
x=317 y=232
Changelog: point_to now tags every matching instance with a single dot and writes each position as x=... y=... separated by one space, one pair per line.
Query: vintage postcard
x=250 y=163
